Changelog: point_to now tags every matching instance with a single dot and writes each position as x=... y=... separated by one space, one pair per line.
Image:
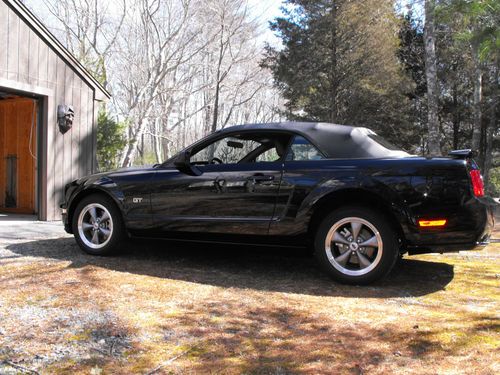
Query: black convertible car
x=357 y=199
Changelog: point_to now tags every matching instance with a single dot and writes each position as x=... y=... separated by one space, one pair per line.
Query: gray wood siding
x=4 y=37
x=28 y=59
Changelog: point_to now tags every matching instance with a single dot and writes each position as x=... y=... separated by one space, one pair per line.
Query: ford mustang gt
x=358 y=201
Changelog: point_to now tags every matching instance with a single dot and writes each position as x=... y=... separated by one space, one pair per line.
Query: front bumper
x=65 y=220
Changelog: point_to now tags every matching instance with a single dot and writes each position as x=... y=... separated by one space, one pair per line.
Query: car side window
x=301 y=149
x=227 y=150
x=270 y=155
x=248 y=147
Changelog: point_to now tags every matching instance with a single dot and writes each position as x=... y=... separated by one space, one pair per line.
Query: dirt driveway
x=170 y=308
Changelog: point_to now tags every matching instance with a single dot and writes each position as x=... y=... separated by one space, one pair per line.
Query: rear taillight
x=477 y=182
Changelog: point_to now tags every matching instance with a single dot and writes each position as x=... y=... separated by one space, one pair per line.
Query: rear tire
x=356 y=245
x=97 y=225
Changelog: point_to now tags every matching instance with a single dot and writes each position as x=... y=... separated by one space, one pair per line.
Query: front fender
x=78 y=189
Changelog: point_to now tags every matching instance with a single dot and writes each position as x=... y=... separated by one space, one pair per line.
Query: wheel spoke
x=87 y=226
x=371 y=242
x=363 y=260
x=105 y=232
x=105 y=216
x=95 y=237
x=344 y=258
x=93 y=214
x=338 y=238
x=355 y=228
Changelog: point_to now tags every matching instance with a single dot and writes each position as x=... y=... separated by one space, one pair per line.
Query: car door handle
x=219 y=184
x=261 y=178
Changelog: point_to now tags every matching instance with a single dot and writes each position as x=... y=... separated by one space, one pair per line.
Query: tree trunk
x=129 y=156
x=478 y=98
x=488 y=160
x=431 y=76
x=157 y=141
x=165 y=142
x=207 y=114
x=218 y=81
x=141 y=150
x=333 y=68
x=456 y=118
x=216 y=105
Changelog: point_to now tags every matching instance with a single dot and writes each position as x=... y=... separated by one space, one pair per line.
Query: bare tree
x=91 y=28
x=177 y=69
x=162 y=44
x=234 y=45
x=478 y=96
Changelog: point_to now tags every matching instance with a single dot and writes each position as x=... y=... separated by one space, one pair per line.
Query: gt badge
x=137 y=200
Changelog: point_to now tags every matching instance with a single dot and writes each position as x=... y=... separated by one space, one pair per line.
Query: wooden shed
x=42 y=87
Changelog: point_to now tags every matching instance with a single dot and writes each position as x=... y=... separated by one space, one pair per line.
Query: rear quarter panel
x=411 y=188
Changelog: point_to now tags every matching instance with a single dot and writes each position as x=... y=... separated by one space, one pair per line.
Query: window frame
x=200 y=145
x=229 y=137
x=219 y=134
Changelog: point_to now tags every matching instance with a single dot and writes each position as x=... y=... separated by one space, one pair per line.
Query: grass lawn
x=163 y=308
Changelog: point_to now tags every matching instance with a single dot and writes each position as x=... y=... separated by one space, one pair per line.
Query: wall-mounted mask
x=65 y=116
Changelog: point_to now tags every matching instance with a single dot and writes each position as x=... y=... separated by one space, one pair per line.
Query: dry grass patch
x=193 y=309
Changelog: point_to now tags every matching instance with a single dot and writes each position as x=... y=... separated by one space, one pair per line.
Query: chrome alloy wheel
x=95 y=226
x=353 y=246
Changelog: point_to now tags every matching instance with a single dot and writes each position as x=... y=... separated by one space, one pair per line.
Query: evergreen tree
x=110 y=142
x=339 y=64
x=412 y=55
x=433 y=144
x=469 y=58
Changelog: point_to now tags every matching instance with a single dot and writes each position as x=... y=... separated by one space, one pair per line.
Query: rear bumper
x=477 y=238
x=448 y=248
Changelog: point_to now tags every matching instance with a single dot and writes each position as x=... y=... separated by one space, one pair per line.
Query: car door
x=234 y=193
x=302 y=171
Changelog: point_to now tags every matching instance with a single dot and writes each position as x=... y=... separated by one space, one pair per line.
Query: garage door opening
x=18 y=150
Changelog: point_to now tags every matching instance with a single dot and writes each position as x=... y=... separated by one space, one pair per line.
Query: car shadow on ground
x=249 y=267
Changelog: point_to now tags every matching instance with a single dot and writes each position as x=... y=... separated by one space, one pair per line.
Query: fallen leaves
x=253 y=311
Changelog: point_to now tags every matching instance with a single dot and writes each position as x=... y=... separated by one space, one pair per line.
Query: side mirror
x=183 y=165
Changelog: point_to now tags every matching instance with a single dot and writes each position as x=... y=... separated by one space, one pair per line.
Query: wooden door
x=17 y=155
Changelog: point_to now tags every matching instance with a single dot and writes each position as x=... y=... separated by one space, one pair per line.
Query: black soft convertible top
x=335 y=141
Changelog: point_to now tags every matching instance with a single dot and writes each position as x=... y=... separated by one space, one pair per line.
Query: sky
x=262 y=10
x=265 y=11
x=268 y=10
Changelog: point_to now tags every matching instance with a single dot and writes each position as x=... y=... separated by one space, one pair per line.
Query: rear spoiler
x=462 y=154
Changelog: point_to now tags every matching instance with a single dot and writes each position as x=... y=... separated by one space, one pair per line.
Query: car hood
x=106 y=176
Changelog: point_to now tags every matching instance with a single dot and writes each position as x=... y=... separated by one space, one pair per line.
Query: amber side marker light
x=432 y=223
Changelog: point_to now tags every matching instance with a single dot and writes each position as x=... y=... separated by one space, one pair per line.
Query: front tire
x=97 y=225
x=356 y=245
